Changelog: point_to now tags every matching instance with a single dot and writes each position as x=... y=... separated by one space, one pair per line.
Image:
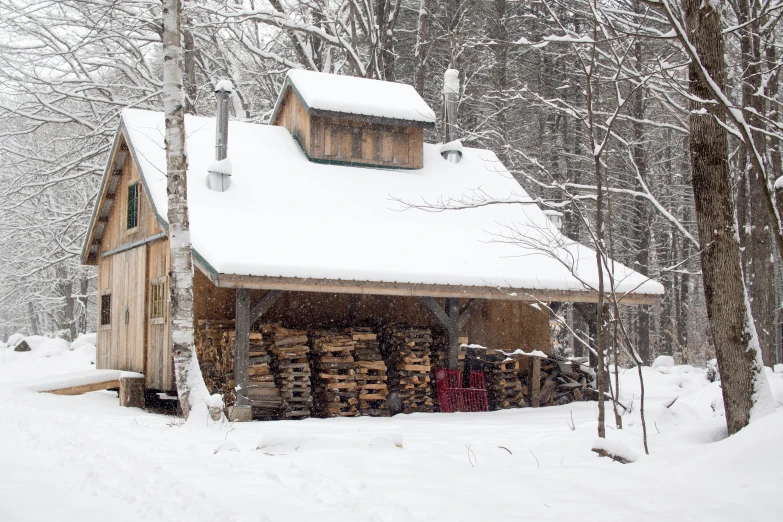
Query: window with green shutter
x=133 y=205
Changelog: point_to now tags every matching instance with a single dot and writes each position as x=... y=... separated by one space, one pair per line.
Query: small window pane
x=133 y=205
x=106 y=309
x=157 y=300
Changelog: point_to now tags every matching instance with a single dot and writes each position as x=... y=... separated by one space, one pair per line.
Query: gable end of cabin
x=128 y=243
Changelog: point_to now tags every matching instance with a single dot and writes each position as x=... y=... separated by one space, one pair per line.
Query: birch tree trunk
x=746 y=392
x=193 y=396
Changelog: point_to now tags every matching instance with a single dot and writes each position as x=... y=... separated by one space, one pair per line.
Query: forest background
x=67 y=69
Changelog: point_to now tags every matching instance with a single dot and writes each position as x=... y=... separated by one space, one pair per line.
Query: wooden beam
x=242 y=353
x=263 y=305
x=335 y=286
x=132 y=392
x=84 y=388
x=435 y=310
x=129 y=246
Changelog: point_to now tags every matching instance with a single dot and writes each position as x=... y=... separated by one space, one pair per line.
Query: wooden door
x=128 y=303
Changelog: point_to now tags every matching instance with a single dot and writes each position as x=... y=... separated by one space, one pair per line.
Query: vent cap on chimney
x=451 y=81
x=452 y=151
x=555 y=217
x=224 y=86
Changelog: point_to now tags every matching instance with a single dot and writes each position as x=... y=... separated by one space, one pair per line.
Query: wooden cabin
x=318 y=229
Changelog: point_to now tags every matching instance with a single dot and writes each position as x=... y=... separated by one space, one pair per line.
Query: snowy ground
x=83 y=458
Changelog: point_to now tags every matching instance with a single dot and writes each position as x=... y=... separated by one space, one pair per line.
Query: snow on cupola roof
x=358 y=96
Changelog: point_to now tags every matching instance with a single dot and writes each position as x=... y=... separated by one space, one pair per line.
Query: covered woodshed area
x=293 y=351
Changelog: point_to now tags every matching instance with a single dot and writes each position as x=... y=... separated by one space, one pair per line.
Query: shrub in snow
x=22 y=346
x=712 y=370
x=15 y=338
x=663 y=363
x=778 y=368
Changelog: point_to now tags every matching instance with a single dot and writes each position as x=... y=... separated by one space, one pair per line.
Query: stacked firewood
x=370 y=373
x=215 y=348
x=262 y=391
x=502 y=372
x=406 y=351
x=561 y=381
x=289 y=351
x=335 y=391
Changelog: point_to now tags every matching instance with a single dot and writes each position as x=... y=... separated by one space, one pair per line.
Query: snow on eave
x=85 y=254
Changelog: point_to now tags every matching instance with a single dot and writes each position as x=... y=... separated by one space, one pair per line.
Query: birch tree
x=194 y=398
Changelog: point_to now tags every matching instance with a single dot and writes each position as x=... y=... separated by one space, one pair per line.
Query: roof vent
x=219 y=177
x=452 y=151
x=555 y=217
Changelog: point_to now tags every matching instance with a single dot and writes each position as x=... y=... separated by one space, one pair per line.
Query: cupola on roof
x=335 y=93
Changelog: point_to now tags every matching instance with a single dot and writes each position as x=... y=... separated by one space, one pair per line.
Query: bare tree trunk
x=745 y=390
x=189 y=70
x=423 y=45
x=84 y=288
x=192 y=391
x=386 y=12
x=34 y=330
x=752 y=212
x=641 y=227
x=70 y=320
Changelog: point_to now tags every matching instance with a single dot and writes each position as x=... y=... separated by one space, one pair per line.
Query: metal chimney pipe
x=219 y=176
x=451 y=97
x=222 y=97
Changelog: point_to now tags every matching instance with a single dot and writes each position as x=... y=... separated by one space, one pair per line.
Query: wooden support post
x=242 y=353
x=132 y=391
x=452 y=332
x=535 y=383
x=452 y=320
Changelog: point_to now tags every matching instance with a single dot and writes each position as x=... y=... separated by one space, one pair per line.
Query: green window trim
x=133 y=206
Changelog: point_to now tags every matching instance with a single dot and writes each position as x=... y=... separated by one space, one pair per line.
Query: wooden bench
x=130 y=384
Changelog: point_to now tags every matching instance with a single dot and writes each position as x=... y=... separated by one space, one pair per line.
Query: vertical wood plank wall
x=160 y=366
x=347 y=140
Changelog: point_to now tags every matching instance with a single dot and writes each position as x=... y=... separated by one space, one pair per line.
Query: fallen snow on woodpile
x=96 y=461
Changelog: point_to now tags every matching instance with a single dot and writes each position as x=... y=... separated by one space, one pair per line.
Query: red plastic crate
x=453 y=397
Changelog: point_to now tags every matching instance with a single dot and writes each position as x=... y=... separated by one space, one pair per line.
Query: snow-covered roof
x=360 y=96
x=285 y=216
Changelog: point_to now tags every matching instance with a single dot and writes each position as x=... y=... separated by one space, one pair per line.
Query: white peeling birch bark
x=194 y=398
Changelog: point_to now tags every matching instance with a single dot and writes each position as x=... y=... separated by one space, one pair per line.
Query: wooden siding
x=159 y=372
x=346 y=140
